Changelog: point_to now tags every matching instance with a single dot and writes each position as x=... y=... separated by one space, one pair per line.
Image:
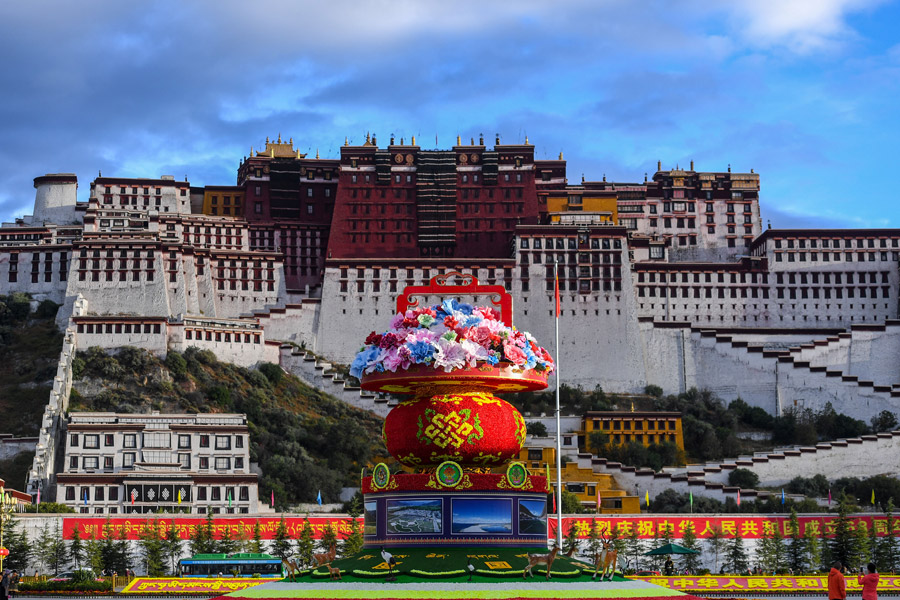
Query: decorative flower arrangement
x=448 y=336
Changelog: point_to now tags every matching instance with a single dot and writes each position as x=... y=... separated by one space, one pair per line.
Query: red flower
x=374 y=339
x=450 y=322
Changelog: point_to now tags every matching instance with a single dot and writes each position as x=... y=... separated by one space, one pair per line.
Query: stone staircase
x=323 y=376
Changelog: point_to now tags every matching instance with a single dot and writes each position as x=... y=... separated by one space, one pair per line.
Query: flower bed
x=449 y=336
x=75 y=588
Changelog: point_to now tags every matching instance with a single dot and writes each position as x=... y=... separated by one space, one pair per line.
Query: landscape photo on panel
x=414 y=516
x=482 y=515
x=370 y=525
x=533 y=517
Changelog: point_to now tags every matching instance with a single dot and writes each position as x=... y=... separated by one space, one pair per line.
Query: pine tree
x=209 y=534
x=41 y=547
x=227 y=544
x=813 y=547
x=197 y=543
x=92 y=554
x=771 y=549
x=121 y=553
x=329 y=537
x=716 y=544
x=173 y=546
x=354 y=542
x=736 y=557
x=20 y=550
x=796 y=550
x=887 y=545
x=152 y=544
x=306 y=545
x=76 y=549
x=863 y=553
x=873 y=545
x=281 y=545
x=691 y=562
x=256 y=543
x=842 y=546
x=594 y=545
x=56 y=553
x=570 y=542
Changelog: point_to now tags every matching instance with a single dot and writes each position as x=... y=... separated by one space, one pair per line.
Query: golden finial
x=291 y=141
x=560 y=155
x=251 y=151
x=368 y=139
x=267 y=140
x=272 y=153
x=346 y=141
x=458 y=140
x=471 y=141
x=401 y=142
x=279 y=137
x=632 y=406
x=317 y=153
x=298 y=153
x=526 y=139
x=413 y=143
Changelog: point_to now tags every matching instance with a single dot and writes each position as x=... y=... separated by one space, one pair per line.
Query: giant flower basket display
x=449 y=358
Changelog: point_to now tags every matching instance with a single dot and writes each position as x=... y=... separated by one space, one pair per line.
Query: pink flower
x=396 y=358
x=514 y=353
x=449 y=355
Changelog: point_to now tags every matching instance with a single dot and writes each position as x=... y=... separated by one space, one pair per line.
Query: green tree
x=281 y=544
x=173 y=545
x=51 y=549
x=691 y=562
x=329 y=537
x=20 y=550
x=536 y=428
x=570 y=541
x=306 y=545
x=743 y=478
x=813 y=546
x=843 y=546
x=570 y=503
x=152 y=545
x=736 y=556
x=594 y=546
x=92 y=553
x=796 y=548
x=771 y=549
x=887 y=551
x=715 y=543
x=863 y=553
x=227 y=542
x=203 y=539
x=354 y=542
x=256 y=543
x=76 y=548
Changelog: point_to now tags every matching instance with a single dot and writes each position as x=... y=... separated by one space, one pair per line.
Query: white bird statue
x=391 y=562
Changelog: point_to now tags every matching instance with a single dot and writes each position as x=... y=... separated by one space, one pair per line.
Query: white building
x=130 y=463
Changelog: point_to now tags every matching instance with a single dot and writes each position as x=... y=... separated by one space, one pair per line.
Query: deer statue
x=607 y=559
x=326 y=557
x=291 y=568
x=335 y=572
x=540 y=559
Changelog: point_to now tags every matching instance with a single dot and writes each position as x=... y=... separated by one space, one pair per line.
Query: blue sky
x=803 y=91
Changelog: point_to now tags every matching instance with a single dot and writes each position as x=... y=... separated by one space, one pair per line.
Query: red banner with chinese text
x=744 y=526
x=776 y=584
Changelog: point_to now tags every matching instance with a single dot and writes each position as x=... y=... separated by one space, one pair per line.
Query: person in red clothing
x=837 y=588
x=869 y=583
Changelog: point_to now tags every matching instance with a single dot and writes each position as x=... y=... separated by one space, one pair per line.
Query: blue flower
x=420 y=352
x=362 y=360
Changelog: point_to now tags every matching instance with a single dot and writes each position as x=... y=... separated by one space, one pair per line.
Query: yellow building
x=647 y=428
x=578 y=205
x=581 y=481
x=223 y=200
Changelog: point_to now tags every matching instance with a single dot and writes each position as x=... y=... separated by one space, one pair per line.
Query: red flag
x=273 y=498
x=556 y=292
x=554 y=502
x=599 y=508
x=739 y=498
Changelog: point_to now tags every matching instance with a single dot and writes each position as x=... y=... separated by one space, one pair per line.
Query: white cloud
x=802 y=26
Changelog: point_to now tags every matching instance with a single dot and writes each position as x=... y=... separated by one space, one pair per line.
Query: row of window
x=571 y=243
x=836 y=256
x=119 y=328
x=627 y=425
x=154 y=439
x=836 y=243
x=219 y=336
x=203 y=493
x=707 y=277
x=220 y=463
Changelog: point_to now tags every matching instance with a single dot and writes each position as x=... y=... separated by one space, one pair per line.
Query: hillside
x=29 y=351
x=303 y=439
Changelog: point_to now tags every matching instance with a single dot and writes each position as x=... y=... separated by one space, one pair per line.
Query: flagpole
x=558 y=426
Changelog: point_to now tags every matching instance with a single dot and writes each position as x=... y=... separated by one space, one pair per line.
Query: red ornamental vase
x=474 y=429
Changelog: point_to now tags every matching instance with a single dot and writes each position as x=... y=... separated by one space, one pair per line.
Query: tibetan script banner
x=722 y=583
x=189 y=585
x=238 y=528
